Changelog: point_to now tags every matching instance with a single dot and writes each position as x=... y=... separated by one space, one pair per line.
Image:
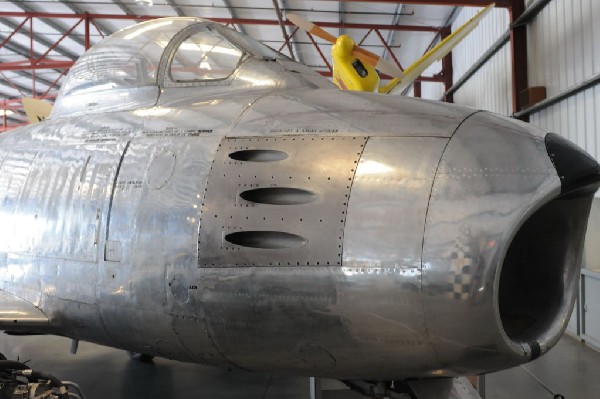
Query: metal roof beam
x=54 y=25
x=28 y=75
x=233 y=15
x=124 y=8
x=28 y=66
x=342 y=12
x=290 y=33
x=24 y=52
x=471 y=3
x=237 y=21
x=176 y=7
x=283 y=30
x=10 y=120
x=518 y=43
x=395 y=21
x=41 y=40
x=99 y=25
x=20 y=88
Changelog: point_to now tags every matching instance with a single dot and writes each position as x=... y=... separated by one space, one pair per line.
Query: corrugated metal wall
x=491 y=87
x=431 y=90
x=563 y=51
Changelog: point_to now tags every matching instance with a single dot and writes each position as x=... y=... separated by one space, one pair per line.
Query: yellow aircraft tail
x=435 y=54
x=37 y=110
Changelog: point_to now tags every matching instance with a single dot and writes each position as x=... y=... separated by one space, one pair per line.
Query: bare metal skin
x=268 y=221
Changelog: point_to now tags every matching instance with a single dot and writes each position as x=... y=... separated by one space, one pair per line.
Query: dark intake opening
x=540 y=271
x=258 y=155
x=266 y=239
x=279 y=196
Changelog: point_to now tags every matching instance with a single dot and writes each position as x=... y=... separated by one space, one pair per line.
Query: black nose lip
x=579 y=173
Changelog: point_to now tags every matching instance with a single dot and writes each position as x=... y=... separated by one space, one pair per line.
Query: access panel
x=278 y=201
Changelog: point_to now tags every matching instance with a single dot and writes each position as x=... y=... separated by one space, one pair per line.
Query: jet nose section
x=503 y=239
x=579 y=173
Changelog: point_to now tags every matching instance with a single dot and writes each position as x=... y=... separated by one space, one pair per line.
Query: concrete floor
x=571 y=369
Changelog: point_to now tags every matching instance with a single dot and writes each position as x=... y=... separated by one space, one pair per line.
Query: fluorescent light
x=7 y=112
x=146 y=3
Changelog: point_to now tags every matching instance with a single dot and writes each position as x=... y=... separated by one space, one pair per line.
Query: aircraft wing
x=37 y=110
x=18 y=313
x=438 y=52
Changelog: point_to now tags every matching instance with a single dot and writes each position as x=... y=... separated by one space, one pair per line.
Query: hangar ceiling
x=39 y=40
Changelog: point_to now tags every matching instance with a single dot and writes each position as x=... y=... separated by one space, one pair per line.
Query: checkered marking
x=461 y=264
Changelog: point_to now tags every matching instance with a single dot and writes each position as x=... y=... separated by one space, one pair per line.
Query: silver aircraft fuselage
x=272 y=222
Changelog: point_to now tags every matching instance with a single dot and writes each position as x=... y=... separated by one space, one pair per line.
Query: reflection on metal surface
x=152 y=111
x=146 y=28
x=257 y=82
x=373 y=168
x=17 y=312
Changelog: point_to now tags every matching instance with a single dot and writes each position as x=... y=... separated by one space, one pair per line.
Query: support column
x=518 y=44
x=447 y=68
x=417 y=89
x=87 y=31
x=315 y=388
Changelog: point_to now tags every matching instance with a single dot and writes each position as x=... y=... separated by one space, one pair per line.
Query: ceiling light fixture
x=146 y=3
x=6 y=112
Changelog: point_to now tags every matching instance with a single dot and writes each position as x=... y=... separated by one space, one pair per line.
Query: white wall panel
x=591 y=308
x=562 y=45
x=491 y=87
x=432 y=90
x=576 y=118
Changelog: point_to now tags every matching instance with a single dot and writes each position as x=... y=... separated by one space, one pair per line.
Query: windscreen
x=127 y=59
x=205 y=55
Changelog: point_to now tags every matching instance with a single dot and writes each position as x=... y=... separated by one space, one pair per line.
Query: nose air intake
x=538 y=281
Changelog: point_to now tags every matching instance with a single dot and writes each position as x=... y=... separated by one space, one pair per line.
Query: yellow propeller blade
x=438 y=52
x=379 y=63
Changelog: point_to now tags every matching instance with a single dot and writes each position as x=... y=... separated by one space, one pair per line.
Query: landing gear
x=18 y=381
x=140 y=357
x=426 y=388
x=384 y=389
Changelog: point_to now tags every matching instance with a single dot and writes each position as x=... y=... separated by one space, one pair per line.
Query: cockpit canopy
x=126 y=69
